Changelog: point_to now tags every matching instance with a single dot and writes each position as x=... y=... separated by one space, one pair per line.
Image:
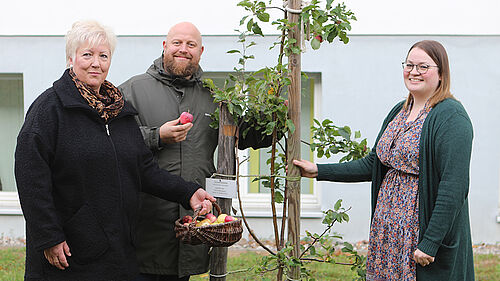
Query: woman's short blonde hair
x=91 y=32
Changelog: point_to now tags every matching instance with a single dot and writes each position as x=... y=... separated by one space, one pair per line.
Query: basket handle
x=197 y=211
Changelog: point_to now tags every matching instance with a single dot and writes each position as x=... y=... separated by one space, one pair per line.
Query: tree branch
x=318 y=260
x=241 y=205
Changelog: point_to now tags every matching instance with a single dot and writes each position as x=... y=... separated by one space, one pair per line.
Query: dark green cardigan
x=445 y=151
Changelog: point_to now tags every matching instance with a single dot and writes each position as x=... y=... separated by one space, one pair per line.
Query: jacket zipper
x=106 y=126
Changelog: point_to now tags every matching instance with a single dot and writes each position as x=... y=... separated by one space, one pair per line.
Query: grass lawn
x=12 y=264
x=487 y=268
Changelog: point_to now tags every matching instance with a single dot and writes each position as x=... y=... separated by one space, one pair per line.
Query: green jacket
x=444 y=162
x=159 y=97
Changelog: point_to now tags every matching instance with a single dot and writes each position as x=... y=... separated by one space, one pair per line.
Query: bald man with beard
x=169 y=87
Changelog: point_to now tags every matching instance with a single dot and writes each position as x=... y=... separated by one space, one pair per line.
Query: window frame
x=9 y=199
x=257 y=205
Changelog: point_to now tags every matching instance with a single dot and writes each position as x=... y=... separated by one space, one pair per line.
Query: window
x=258 y=159
x=255 y=196
x=11 y=120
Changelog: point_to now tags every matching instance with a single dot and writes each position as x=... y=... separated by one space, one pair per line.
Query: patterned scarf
x=108 y=102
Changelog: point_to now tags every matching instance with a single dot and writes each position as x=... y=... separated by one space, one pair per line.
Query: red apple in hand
x=186 y=117
x=211 y=217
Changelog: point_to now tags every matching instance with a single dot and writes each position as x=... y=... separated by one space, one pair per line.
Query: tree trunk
x=294 y=139
x=226 y=165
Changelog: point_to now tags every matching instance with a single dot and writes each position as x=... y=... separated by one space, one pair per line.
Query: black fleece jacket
x=79 y=180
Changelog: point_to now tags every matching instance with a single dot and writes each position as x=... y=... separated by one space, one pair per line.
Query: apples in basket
x=221 y=231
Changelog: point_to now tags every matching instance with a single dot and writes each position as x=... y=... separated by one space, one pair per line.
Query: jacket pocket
x=446 y=257
x=86 y=238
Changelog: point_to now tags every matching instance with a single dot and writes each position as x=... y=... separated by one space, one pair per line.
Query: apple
x=229 y=218
x=221 y=218
x=187 y=219
x=319 y=38
x=186 y=117
x=285 y=103
x=203 y=223
x=211 y=217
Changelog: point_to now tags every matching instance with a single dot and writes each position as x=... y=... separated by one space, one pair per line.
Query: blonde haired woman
x=81 y=163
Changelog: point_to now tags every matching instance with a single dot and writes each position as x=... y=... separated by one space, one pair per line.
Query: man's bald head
x=185 y=28
x=182 y=50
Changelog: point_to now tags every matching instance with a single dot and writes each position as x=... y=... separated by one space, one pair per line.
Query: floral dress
x=394 y=227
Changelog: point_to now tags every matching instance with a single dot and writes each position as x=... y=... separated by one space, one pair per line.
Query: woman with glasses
x=419 y=168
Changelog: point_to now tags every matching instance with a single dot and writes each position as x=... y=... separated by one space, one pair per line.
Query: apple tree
x=269 y=100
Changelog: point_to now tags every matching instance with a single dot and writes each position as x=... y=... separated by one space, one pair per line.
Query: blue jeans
x=157 y=277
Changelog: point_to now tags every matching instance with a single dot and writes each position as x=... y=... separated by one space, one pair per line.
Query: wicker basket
x=219 y=235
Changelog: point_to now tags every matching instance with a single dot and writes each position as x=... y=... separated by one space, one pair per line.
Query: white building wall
x=216 y=17
x=361 y=81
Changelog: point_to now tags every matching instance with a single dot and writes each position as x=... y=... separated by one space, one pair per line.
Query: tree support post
x=226 y=165
x=294 y=69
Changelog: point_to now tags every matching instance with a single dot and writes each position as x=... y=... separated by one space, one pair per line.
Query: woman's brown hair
x=438 y=54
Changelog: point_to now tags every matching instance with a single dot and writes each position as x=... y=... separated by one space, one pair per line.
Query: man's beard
x=179 y=69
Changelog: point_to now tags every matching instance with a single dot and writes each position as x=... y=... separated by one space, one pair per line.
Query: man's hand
x=171 y=132
x=422 y=258
x=56 y=255
x=307 y=168
x=203 y=199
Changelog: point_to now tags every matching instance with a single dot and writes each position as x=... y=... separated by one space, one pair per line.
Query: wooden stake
x=226 y=165
x=294 y=70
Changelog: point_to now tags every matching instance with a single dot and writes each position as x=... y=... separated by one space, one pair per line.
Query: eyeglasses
x=421 y=68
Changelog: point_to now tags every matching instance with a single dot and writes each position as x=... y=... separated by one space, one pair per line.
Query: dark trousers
x=157 y=277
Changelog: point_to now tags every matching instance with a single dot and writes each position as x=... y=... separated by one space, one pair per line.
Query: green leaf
x=263 y=17
x=320 y=153
x=270 y=127
x=326 y=122
x=278 y=197
x=348 y=246
x=209 y=83
x=313 y=250
x=337 y=205
x=345 y=134
x=347 y=129
x=233 y=51
x=230 y=108
x=245 y=4
x=256 y=29
x=343 y=37
x=242 y=21
x=296 y=50
x=290 y=125
x=238 y=110
x=345 y=217
x=357 y=134
x=250 y=25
